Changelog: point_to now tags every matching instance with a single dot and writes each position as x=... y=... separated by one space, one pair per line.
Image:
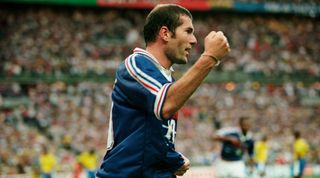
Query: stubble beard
x=174 y=58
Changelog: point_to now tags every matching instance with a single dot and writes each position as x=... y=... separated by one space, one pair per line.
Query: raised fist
x=216 y=45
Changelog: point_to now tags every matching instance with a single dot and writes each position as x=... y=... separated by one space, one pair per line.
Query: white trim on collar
x=166 y=73
x=140 y=50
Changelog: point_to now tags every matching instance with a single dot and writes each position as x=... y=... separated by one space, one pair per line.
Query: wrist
x=212 y=57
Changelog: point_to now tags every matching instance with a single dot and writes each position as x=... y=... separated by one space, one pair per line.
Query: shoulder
x=258 y=145
x=137 y=65
x=228 y=131
x=142 y=68
x=138 y=71
x=302 y=142
x=138 y=62
x=250 y=136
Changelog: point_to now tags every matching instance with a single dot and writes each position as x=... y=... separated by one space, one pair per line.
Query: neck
x=244 y=132
x=158 y=52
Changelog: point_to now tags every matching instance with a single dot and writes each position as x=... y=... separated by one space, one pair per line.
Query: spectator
x=48 y=163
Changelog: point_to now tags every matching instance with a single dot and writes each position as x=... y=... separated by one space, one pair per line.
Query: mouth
x=187 y=50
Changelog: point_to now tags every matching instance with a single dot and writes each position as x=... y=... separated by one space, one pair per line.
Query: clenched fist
x=216 y=45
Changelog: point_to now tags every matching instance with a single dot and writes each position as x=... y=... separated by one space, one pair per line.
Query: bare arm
x=224 y=138
x=216 y=46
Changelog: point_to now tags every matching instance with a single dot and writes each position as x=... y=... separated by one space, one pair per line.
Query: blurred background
x=58 y=59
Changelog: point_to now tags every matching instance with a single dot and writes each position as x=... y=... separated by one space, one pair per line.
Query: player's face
x=179 y=46
x=245 y=125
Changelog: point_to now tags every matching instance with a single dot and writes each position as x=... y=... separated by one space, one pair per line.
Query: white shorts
x=230 y=169
x=261 y=167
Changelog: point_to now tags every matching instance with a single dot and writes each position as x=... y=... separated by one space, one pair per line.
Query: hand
x=216 y=44
x=183 y=169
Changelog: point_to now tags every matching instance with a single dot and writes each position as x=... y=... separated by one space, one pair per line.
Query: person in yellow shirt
x=47 y=162
x=89 y=159
x=300 y=151
x=35 y=173
x=261 y=155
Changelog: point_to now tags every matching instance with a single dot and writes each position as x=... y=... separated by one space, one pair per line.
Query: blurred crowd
x=70 y=119
x=73 y=118
x=275 y=110
x=81 y=41
x=65 y=118
x=282 y=1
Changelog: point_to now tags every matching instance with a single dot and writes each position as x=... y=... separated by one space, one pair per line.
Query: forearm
x=221 y=138
x=182 y=89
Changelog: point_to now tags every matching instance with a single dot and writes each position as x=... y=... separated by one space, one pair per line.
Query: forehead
x=186 y=21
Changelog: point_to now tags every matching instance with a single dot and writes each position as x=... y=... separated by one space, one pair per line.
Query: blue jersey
x=230 y=152
x=140 y=140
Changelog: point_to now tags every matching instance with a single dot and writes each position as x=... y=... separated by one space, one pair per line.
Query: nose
x=193 y=40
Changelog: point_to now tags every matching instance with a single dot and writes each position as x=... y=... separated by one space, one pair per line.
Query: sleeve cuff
x=160 y=99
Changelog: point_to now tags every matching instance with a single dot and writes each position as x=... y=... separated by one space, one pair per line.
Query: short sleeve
x=227 y=131
x=141 y=82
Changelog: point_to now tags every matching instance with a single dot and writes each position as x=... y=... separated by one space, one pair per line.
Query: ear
x=164 y=33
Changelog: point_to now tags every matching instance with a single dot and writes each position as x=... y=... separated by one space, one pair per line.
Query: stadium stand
x=57 y=66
